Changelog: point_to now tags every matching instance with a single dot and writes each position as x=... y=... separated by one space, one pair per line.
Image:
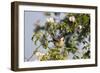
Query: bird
x=59 y=41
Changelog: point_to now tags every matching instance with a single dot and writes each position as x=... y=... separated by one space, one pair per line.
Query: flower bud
x=79 y=27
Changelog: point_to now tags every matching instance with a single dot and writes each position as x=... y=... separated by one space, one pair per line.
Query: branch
x=33 y=53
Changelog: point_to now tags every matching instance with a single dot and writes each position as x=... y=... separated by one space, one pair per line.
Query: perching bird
x=59 y=41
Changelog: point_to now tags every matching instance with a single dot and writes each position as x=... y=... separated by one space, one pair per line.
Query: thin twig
x=33 y=53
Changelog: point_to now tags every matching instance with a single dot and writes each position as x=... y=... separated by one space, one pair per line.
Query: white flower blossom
x=72 y=19
x=50 y=20
x=79 y=27
x=39 y=55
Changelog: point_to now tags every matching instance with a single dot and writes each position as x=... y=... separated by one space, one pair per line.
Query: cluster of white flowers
x=51 y=19
x=72 y=19
x=39 y=55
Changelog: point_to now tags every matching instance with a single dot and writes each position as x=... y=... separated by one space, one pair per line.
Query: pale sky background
x=30 y=20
